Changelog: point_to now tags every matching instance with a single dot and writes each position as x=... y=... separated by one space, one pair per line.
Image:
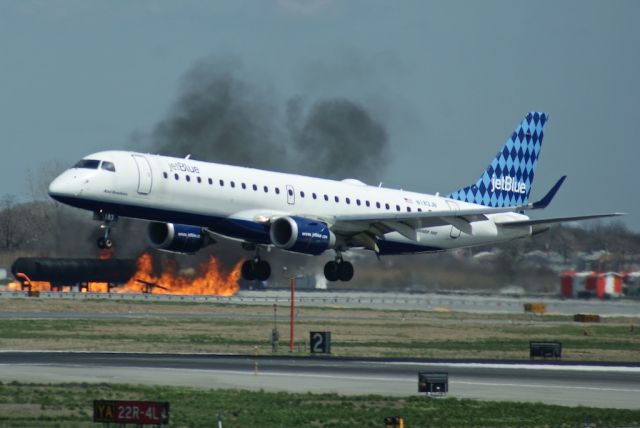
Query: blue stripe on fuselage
x=235 y=228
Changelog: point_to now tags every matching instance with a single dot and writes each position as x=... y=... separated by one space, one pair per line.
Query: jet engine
x=177 y=238
x=301 y=235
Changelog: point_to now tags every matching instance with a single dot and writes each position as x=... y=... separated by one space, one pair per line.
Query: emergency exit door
x=144 y=174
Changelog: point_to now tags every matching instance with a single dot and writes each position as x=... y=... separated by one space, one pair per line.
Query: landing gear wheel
x=256 y=270
x=248 y=272
x=104 y=243
x=262 y=270
x=331 y=271
x=345 y=271
x=108 y=221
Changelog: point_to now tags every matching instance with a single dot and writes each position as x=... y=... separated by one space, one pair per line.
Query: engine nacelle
x=176 y=238
x=301 y=235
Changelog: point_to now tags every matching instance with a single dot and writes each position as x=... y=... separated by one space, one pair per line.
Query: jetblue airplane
x=190 y=204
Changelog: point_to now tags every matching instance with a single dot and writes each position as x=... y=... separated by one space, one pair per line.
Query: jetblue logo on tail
x=507 y=180
x=508 y=184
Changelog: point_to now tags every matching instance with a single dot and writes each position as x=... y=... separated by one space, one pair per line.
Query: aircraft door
x=291 y=195
x=455 y=232
x=144 y=174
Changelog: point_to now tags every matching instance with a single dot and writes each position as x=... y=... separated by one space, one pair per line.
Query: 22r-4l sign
x=131 y=412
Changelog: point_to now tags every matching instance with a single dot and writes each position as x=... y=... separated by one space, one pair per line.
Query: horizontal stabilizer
x=544 y=202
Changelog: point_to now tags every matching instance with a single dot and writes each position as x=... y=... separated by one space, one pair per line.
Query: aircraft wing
x=407 y=224
x=541 y=225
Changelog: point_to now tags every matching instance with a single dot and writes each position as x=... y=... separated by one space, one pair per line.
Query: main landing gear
x=256 y=269
x=108 y=221
x=338 y=270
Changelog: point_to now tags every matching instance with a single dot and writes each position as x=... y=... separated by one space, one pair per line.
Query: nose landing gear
x=108 y=221
x=338 y=270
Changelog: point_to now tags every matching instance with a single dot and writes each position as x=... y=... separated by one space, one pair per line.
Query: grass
x=70 y=405
x=206 y=327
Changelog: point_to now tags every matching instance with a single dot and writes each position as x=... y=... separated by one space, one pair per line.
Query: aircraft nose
x=57 y=187
x=64 y=185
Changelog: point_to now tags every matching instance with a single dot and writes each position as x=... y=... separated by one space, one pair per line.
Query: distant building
x=602 y=285
x=631 y=281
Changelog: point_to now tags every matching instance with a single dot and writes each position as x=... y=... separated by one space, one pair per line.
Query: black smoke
x=221 y=116
x=339 y=138
x=218 y=117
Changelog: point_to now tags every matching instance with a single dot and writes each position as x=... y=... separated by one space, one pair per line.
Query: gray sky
x=449 y=80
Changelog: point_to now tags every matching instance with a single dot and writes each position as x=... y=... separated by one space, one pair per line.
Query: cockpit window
x=87 y=164
x=109 y=166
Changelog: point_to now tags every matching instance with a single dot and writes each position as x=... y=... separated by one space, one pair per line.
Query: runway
x=563 y=383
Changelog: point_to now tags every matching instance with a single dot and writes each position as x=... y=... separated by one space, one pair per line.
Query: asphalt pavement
x=563 y=383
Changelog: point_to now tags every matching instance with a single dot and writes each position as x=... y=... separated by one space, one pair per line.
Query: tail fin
x=507 y=180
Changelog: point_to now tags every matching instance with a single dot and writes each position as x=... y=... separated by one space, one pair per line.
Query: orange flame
x=105 y=253
x=14 y=286
x=35 y=285
x=209 y=280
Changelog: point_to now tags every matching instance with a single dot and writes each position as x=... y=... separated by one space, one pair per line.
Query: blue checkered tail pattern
x=507 y=180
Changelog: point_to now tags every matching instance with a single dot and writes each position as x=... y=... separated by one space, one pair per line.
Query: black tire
x=331 y=271
x=345 y=271
x=101 y=243
x=248 y=270
x=262 y=270
x=108 y=243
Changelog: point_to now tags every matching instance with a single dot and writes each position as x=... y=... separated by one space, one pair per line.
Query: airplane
x=191 y=204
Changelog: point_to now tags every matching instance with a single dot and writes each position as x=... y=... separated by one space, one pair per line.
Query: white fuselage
x=236 y=202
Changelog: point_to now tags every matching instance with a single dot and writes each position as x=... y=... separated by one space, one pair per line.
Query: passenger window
x=326 y=198
x=377 y=204
x=233 y=184
x=277 y=190
x=367 y=203
x=108 y=166
x=244 y=186
x=255 y=187
x=210 y=181
x=301 y=194
x=221 y=183
x=386 y=206
x=348 y=201
x=408 y=209
x=419 y=210
x=290 y=192
x=176 y=176
x=337 y=199
x=165 y=175
x=314 y=196
x=358 y=202
x=199 y=180
x=397 y=207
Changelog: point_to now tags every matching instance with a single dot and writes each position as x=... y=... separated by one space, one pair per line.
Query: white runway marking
x=545 y=386
x=576 y=367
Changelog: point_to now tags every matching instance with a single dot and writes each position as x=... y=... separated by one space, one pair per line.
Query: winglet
x=542 y=203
